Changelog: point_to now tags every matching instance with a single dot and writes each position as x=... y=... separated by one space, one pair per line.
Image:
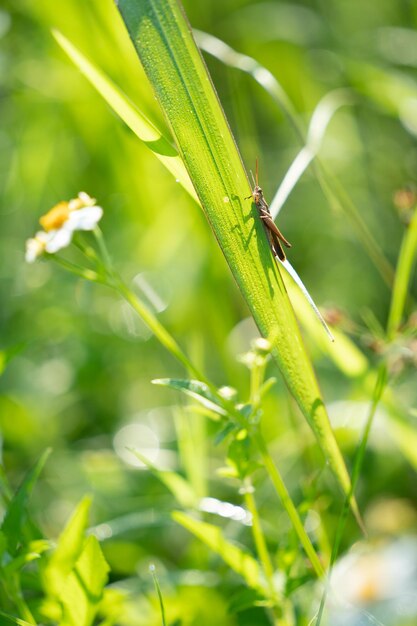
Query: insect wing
x=269 y=223
x=277 y=249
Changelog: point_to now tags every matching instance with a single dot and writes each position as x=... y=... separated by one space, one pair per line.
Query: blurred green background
x=80 y=380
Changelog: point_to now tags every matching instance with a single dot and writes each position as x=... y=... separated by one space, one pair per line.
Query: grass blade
x=130 y=114
x=177 y=73
x=240 y=562
x=405 y=265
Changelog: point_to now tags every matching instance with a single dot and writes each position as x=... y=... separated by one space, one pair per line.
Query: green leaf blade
x=177 y=73
x=16 y=516
x=69 y=547
x=83 y=589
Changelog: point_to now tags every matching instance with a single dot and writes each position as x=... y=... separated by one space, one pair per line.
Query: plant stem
x=172 y=62
x=358 y=462
x=87 y=274
x=288 y=504
x=277 y=612
x=158 y=329
x=258 y=536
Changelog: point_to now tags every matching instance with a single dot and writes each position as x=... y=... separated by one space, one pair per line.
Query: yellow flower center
x=56 y=217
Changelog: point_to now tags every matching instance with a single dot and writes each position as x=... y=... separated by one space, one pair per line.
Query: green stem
x=358 y=463
x=159 y=593
x=337 y=196
x=88 y=251
x=288 y=504
x=142 y=310
x=259 y=537
x=103 y=249
x=87 y=274
x=278 y=612
x=256 y=379
x=162 y=38
x=158 y=329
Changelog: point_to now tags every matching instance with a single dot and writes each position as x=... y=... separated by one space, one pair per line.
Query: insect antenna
x=256 y=171
x=253 y=179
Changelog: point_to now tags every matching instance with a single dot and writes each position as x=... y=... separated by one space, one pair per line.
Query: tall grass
x=238 y=506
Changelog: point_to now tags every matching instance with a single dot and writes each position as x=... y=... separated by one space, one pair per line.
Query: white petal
x=86 y=199
x=58 y=239
x=84 y=219
x=42 y=236
x=33 y=250
x=35 y=246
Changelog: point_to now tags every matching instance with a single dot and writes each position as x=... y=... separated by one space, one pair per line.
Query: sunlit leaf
x=69 y=547
x=83 y=589
x=179 y=78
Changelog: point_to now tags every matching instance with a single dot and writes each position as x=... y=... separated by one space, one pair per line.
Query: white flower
x=61 y=222
x=379 y=581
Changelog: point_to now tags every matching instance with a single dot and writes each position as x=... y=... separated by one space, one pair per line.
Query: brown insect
x=275 y=236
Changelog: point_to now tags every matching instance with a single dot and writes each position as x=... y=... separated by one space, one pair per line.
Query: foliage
x=211 y=500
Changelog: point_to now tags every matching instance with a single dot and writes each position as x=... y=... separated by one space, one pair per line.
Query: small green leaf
x=195 y=389
x=240 y=562
x=83 y=589
x=16 y=515
x=69 y=547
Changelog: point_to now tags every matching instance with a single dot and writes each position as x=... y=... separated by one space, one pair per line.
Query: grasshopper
x=275 y=237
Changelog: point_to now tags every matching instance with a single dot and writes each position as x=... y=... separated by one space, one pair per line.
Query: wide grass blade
x=174 y=66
